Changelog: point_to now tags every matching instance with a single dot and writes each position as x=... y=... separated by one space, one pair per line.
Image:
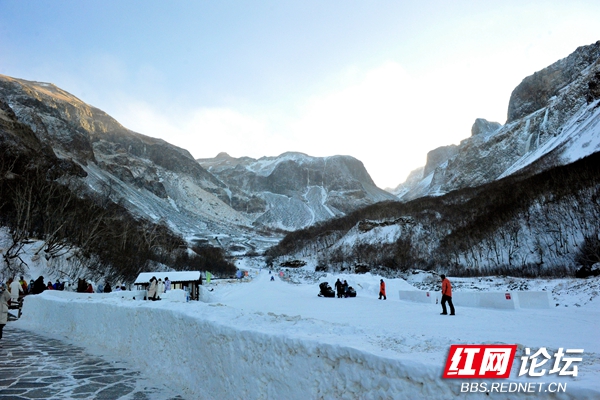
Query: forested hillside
x=79 y=232
x=546 y=224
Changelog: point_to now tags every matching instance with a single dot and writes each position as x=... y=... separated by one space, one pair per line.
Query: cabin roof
x=179 y=276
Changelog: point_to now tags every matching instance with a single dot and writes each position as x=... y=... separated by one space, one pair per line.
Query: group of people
x=58 y=285
x=13 y=290
x=84 y=286
x=341 y=288
x=16 y=288
x=158 y=287
x=19 y=288
x=38 y=286
x=10 y=292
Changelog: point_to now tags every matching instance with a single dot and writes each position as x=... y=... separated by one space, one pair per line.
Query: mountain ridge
x=159 y=181
x=546 y=115
x=316 y=188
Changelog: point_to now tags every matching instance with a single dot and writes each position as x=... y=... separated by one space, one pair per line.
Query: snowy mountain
x=161 y=182
x=295 y=190
x=539 y=225
x=553 y=119
x=151 y=177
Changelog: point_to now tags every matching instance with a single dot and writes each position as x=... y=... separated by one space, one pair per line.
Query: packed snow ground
x=263 y=339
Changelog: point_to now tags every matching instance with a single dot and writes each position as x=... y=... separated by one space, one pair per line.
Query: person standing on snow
x=382 y=290
x=446 y=296
x=16 y=290
x=160 y=288
x=23 y=284
x=38 y=285
x=152 y=289
x=338 y=288
x=4 y=299
x=168 y=283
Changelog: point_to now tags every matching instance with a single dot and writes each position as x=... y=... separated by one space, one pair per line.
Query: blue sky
x=383 y=81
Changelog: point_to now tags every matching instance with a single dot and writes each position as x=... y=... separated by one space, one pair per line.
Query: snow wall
x=210 y=359
x=500 y=300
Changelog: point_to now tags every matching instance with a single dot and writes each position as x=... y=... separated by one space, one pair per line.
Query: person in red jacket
x=382 y=290
x=446 y=296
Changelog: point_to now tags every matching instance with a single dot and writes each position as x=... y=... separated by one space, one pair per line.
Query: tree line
x=44 y=200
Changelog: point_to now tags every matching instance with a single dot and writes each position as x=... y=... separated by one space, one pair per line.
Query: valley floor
x=274 y=339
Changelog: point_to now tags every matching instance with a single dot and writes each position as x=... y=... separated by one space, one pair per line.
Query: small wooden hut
x=179 y=280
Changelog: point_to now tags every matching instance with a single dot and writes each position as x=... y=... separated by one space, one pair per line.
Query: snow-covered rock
x=553 y=119
x=298 y=190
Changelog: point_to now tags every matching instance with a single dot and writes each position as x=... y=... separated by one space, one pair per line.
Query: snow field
x=271 y=339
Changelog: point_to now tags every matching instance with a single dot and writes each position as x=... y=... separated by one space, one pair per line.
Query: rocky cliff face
x=483 y=127
x=295 y=190
x=20 y=144
x=535 y=91
x=151 y=177
x=553 y=119
x=87 y=134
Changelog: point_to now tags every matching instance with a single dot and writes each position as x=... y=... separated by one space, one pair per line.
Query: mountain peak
x=483 y=126
x=223 y=156
x=535 y=91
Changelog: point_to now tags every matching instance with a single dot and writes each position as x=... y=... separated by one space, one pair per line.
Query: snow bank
x=531 y=299
x=497 y=300
x=206 y=358
x=500 y=300
x=418 y=296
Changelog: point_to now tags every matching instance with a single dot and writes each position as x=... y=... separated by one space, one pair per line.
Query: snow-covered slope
x=263 y=339
x=298 y=190
x=150 y=177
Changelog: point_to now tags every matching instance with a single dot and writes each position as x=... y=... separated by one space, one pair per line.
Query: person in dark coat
x=38 y=285
x=81 y=286
x=338 y=288
x=345 y=289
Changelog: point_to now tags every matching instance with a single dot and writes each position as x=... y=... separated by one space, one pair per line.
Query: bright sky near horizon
x=383 y=81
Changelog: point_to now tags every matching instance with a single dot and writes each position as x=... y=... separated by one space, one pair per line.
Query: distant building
x=179 y=280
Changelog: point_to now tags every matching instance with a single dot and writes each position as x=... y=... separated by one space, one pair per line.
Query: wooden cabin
x=179 y=280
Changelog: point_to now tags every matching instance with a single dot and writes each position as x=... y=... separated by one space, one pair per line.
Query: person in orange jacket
x=446 y=296
x=382 y=289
